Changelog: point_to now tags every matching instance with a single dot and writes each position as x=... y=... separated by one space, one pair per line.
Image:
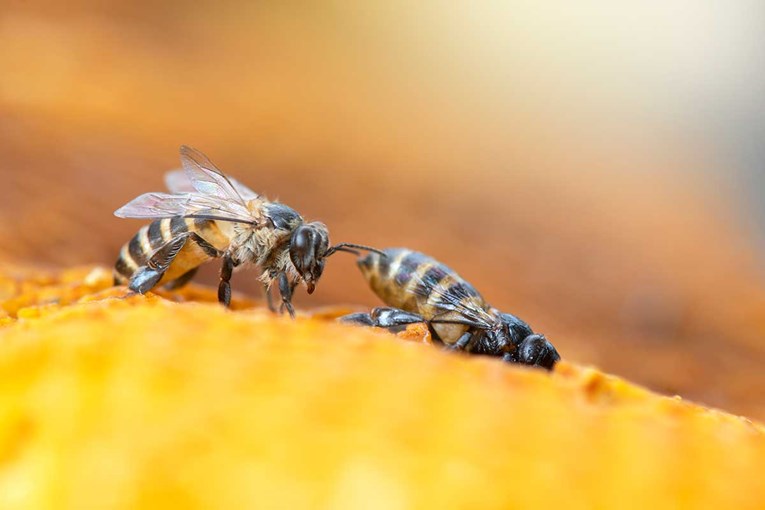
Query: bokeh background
x=593 y=167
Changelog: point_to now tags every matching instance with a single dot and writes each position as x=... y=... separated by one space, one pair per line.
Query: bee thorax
x=254 y=246
x=278 y=262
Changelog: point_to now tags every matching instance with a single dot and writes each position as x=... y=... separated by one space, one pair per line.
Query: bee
x=208 y=215
x=418 y=288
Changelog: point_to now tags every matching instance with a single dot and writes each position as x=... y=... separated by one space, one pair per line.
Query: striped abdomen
x=157 y=234
x=414 y=282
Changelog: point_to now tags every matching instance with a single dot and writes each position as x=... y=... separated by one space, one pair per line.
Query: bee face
x=308 y=246
x=528 y=348
x=537 y=351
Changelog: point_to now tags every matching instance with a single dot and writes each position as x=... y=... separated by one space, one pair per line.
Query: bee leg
x=181 y=280
x=269 y=298
x=146 y=277
x=392 y=319
x=224 y=287
x=359 y=319
x=388 y=318
x=462 y=342
x=286 y=289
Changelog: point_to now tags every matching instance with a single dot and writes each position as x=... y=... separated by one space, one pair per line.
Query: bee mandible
x=208 y=215
x=419 y=289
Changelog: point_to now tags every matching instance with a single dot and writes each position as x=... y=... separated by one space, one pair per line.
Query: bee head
x=523 y=345
x=536 y=350
x=308 y=248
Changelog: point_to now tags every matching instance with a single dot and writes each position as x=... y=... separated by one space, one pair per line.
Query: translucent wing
x=206 y=178
x=190 y=205
x=178 y=181
x=452 y=298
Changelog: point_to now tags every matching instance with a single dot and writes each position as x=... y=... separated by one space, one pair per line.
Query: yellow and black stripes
x=414 y=282
x=155 y=233
x=417 y=288
x=151 y=238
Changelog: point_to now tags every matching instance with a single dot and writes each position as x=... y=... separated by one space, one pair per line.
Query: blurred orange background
x=592 y=167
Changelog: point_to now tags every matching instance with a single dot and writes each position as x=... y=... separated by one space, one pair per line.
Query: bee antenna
x=348 y=248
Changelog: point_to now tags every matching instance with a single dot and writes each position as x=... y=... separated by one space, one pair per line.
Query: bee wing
x=207 y=179
x=190 y=205
x=177 y=181
x=452 y=299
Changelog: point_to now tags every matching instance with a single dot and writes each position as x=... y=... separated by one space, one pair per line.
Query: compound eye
x=302 y=239
x=302 y=248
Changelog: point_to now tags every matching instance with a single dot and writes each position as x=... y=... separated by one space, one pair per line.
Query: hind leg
x=395 y=320
x=146 y=277
x=392 y=319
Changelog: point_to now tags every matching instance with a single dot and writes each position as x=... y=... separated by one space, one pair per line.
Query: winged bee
x=208 y=215
x=418 y=288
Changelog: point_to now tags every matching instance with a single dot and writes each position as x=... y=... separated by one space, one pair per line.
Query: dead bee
x=421 y=289
x=207 y=215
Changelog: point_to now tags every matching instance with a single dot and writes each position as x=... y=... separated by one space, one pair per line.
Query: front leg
x=224 y=288
x=269 y=297
x=286 y=289
x=392 y=319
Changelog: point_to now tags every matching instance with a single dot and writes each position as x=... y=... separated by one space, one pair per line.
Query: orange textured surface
x=115 y=401
x=536 y=161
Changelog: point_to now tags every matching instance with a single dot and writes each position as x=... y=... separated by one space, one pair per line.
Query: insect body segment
x=414 y=282
x=193 y=241
x=418 y=288
x=208 y=215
